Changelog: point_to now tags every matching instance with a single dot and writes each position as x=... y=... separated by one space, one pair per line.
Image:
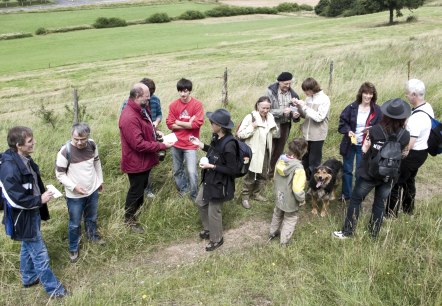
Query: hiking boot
x=136 y=228
x=36 y=282
x=339 y=235
x=259 y=198
x=204 y=234
x=212 y=246
x=245 y=204
x=73 y=256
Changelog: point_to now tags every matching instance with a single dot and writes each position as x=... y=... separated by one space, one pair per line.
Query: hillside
x=168 y=265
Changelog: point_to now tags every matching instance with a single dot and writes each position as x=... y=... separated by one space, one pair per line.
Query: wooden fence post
x=409 y=69
x=75 y=109
x=330 y=79
x=225 y=92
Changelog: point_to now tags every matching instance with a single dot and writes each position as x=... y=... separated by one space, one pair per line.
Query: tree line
x=334 y=8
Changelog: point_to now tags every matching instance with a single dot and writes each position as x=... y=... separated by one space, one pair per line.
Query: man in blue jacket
x=25 y=199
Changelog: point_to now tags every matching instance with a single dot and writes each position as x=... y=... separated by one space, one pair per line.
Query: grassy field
x=31 y=21
x=168 y=265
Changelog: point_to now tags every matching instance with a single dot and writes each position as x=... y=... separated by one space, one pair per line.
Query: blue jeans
x=185 y=180
x=362 y=188
x=88 y=208
x=34 y=263
x=348 y=161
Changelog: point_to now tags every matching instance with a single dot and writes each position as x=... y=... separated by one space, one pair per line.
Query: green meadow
x=31 y=21
x=168 y=265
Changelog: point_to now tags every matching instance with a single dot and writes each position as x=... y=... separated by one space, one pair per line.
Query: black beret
x=285 y=76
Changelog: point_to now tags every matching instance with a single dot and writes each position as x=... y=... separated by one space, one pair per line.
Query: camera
x=162 y=153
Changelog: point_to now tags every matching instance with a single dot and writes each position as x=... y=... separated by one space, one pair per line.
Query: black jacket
x=348 y=120
x=20 y=203
x=219 y=183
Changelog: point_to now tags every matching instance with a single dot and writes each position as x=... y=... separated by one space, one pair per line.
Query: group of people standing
x=365 y=127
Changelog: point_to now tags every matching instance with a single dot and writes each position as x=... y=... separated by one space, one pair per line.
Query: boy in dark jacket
x=25 y=206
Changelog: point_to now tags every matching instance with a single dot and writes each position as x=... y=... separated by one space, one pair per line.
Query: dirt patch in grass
x=266 y=3
x=188 y=252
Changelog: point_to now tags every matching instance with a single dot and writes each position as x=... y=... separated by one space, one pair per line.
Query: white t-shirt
x=419 y=126
x=360 y=125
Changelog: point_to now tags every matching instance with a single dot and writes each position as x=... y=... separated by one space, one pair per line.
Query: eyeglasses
x=79 y=140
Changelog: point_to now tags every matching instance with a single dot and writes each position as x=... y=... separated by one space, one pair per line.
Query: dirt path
x=188 y=252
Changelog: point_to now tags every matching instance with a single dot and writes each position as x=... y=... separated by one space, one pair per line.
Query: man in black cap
x=281 y=95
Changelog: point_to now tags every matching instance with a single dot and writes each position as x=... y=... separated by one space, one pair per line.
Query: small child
x=289 y=183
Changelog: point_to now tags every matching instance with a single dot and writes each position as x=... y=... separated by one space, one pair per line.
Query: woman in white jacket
x=257 y=128
x=315 y=109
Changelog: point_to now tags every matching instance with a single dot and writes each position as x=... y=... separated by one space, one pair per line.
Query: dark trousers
x=362 y=188
x=406 y=182
x=278 y=145
x=135 y=195
x=313 y=157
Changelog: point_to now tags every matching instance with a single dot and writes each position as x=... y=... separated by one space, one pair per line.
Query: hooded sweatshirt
x=289 y=183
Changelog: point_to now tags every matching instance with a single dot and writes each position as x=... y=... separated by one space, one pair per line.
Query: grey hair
x=81 y=128
x=415 y=86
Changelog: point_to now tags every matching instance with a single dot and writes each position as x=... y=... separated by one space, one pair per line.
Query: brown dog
x=323 y=183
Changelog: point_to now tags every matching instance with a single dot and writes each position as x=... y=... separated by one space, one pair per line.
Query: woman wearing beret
x=395 y=113
x=218 y=184
x=354 y=121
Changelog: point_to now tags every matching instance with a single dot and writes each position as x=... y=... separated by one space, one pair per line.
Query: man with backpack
x=419 y=126
x=78 y=168
x=379 y=167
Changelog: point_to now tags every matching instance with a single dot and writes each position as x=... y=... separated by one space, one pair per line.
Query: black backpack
x=386 y=163
x=243 y=155
x=435 y=139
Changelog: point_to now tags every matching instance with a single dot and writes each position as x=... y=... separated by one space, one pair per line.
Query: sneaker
x=212 y=246
x=98 y=241
x=274 y=235
x=339 y=235
x=36 y=282
x=245 y=204
x=150 y=194
x=204 y=234
x=73 y=256
x=260 y=198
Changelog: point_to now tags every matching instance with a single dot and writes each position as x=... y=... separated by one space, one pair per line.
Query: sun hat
x=285 y=76
x=396 y=109
x=221 y=117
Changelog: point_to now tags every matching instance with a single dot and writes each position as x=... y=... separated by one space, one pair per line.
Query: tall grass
x=402 y=267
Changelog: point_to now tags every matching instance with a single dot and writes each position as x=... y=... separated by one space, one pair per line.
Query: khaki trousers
x=211 y=216
x=285 y=222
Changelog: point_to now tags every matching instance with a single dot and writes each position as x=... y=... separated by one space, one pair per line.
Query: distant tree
x=397 y=5
x=337 y=7
x=322 y=7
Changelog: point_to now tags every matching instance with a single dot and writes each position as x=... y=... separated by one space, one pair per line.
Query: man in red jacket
x=140 y=147
x=186 y=116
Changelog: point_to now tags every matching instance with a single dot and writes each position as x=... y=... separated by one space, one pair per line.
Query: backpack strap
x=68 y=154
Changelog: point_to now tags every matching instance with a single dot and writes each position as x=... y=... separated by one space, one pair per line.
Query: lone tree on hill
x=397 y=5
